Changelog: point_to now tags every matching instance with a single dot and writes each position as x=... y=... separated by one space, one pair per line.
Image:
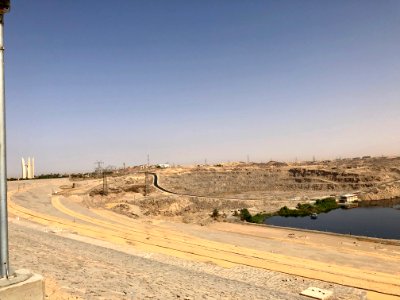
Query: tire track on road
x=270 y=261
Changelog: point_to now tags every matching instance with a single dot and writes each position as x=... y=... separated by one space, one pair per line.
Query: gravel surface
x=84 y=270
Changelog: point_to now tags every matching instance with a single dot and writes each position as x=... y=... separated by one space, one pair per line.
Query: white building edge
x=348 y=198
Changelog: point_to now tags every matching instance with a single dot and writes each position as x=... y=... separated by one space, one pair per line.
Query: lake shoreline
x=394 y=242
x=367 y=220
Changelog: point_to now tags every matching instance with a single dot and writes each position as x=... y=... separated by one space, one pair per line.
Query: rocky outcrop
x=352 y=175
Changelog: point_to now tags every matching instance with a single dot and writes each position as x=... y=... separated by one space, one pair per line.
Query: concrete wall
x=31 y=288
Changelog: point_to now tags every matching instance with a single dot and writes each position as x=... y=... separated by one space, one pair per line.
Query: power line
x=99 y=168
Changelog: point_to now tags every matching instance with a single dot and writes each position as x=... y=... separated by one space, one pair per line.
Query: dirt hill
x=192 y=193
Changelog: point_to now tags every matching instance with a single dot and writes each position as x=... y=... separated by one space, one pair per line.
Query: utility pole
x=4 y=261
x=105 y=186
x=146 y=180
x=145 y=183
x=99 y=168
x=99 y=164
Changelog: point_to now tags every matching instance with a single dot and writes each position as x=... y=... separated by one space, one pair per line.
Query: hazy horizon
x=188 y=81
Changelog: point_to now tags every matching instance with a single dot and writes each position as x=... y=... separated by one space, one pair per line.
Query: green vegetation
x=259 y=218
x=42 y=176
x=51 y=175
x=302 y=210
x=215 y=214
x=245 y=215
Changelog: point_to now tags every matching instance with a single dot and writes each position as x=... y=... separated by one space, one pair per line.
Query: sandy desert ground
x=91 y=252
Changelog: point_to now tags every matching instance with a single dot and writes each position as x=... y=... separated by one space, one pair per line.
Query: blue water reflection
x=381 y=222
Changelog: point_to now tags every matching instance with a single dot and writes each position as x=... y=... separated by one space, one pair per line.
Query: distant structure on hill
x=163 y=166
x=348 y=198
x=28 y=169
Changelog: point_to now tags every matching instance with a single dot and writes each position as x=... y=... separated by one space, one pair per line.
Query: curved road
x=155 y=183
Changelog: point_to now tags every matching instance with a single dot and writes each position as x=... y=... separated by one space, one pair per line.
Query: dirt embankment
x=257 y=187
x=373 y=178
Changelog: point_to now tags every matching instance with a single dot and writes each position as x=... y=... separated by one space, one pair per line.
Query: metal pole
x=146 y=180
x=105 y=185
x=4 y=267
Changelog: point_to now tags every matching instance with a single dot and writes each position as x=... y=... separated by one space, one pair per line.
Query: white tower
x=29 y=168
x=23 y=168
x=33 y=167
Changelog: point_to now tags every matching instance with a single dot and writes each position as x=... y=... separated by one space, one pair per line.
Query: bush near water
x=302 y=210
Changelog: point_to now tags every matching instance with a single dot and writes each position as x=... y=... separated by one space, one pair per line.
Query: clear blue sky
x=190 y=80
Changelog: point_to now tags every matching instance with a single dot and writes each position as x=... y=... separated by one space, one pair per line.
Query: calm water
x=381 y=221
